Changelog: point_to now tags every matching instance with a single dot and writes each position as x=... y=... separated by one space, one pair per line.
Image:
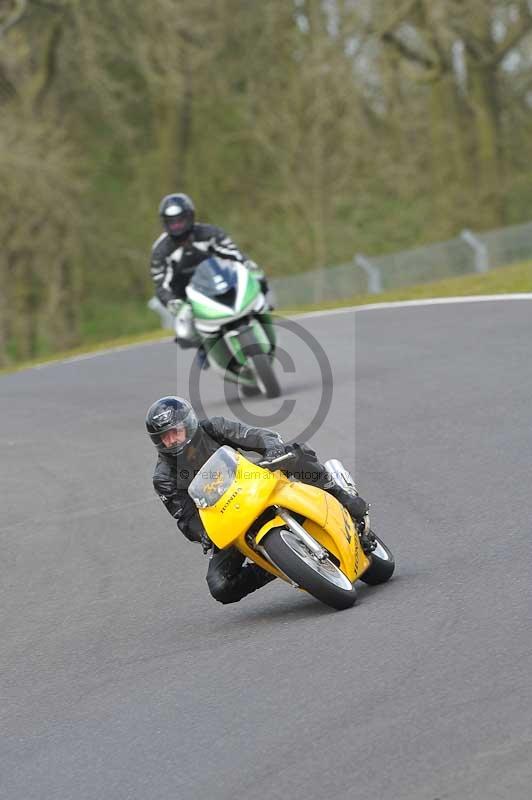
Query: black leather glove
x=165 y=295
x=195 y=532
x=205 y=542
x=174 y=306
x=275 y=451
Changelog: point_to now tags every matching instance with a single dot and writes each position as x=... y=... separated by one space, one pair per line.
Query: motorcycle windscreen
x=215 y=277
x=214 y=478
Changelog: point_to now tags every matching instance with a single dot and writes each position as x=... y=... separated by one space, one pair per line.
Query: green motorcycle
x=228 y=314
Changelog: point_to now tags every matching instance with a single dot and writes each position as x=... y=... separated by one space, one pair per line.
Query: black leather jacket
x=173 y=474
x=173 y=262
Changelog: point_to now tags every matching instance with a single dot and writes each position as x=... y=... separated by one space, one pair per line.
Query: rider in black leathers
x=185 y=244
x=180 y=460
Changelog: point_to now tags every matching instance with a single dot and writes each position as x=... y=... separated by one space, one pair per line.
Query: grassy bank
x=139 y=324
x=505 y=280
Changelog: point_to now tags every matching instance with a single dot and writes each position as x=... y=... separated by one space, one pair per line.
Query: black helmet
x=167 y=414
x=177 y=215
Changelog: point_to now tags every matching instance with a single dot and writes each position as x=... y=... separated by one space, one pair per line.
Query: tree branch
x=397 y=18
x=50 y=64
x=7 y=88
x=388 y=34
x=49 y=5
x=514 y=35
x=476 y=49
x=21 y=6
x=407 y=51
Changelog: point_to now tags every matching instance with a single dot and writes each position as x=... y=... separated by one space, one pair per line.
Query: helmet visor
x=173 y=439
x=177 y=225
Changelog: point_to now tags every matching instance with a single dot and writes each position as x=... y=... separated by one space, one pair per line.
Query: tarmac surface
x=122 y=678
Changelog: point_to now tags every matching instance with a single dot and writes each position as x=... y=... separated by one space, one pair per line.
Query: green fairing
x=261 y=336
x=252 y=290
x=237 y=350
x=227 y=354
x=203 y=311
x=269 y=329
x=218 y=351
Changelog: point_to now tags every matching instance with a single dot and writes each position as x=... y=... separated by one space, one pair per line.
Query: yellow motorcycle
x=298 y=532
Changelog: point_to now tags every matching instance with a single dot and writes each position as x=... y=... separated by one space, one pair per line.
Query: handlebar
x=282 y=459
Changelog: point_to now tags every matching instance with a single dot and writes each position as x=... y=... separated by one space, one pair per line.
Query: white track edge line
x=429 y=301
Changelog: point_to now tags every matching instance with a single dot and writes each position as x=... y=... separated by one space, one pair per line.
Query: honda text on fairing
x=230 y=315
x=295 y=531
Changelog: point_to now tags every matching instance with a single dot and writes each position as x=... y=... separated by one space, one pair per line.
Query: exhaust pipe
x=341 y=476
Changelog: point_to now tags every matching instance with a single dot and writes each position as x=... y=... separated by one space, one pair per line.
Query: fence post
x=319 y=284
x=479 y=248
x=373 y=273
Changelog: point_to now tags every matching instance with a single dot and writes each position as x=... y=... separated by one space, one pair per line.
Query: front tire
x=261 y=365
x=248 y=391
x=322 y=579
x=382 y=564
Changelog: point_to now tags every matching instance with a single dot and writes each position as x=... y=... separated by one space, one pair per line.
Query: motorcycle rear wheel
x=322 y=579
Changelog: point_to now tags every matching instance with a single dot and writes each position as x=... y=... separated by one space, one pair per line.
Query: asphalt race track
x=121 y=677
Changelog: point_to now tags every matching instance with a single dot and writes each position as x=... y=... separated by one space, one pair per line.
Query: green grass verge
x=122 y=341
x=506 y=280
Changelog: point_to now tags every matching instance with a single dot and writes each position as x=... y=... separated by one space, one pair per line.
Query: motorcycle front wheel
x=261 y=364
x=322 y=579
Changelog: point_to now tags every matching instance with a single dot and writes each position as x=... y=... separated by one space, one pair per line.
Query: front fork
x=266 y=321
x=225 y=349
x=263 y=331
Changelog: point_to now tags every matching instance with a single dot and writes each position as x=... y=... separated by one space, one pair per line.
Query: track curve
x=121 y=678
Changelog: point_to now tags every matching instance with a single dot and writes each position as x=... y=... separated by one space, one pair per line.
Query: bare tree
x=39 y=187
x=458 y=50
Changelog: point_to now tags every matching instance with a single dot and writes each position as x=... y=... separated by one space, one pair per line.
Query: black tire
x=262 y=364
x=231 y=392
x=382 y=565
x=248 y=391
x=305 y=576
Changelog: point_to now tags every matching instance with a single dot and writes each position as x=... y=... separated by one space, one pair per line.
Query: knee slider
x=220 y=588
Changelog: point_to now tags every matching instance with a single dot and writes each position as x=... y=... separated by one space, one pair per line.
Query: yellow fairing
x=238 y=508
x=327 y=521
x=254 y=489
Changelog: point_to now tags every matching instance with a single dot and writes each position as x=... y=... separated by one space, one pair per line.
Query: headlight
x=214 y=478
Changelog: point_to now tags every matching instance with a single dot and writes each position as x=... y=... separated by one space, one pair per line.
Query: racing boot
x=201 y=358
x=358 y=510
x=356 y=506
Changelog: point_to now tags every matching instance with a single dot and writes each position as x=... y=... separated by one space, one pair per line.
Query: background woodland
x=309 y=129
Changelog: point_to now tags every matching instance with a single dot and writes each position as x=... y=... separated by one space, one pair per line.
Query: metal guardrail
x=470 y=252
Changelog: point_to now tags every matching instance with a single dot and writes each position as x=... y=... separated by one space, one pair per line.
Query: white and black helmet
x=169 y=413
x=177 y=214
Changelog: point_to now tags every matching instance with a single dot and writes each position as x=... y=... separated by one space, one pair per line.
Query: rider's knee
x=221 y=589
